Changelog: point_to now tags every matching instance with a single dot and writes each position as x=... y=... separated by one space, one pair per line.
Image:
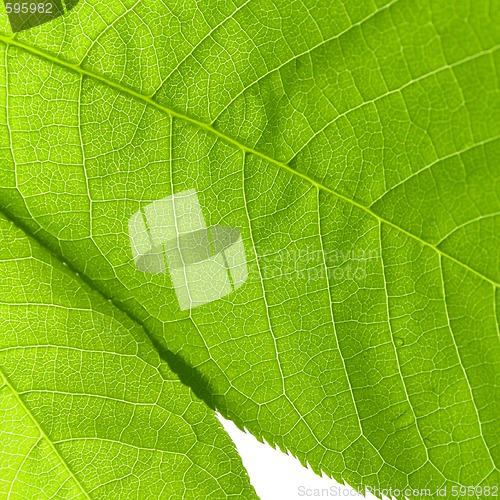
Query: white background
x=277 y=476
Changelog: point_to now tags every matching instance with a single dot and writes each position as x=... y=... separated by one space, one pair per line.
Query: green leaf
x=353 y=145
x=87 y=407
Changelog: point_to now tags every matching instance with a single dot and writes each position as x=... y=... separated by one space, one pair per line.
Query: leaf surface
x=355 y=147
x=87 y=407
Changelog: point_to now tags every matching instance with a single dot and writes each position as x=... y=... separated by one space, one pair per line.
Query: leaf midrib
x=123 y=89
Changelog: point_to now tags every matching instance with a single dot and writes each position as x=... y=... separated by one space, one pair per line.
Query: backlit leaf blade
x=354 y=146
x=88 y=409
